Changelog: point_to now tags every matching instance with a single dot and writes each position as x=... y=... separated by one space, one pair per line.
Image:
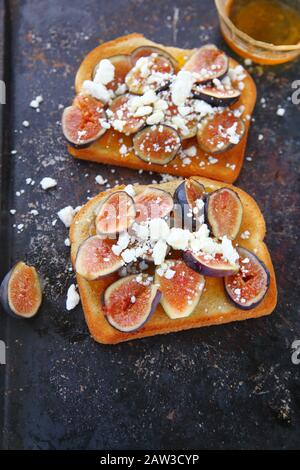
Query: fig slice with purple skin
x=208 y=265
x=247 y=288
x=181 y=289
x=119 y=111
x=21 y=291
x=122 y=64
x=153 y=203
x=96 y=259
x=82 y=122
x=220 y=132
x=137 y=79
x=145 y=51
x=190 y=196
x=224 y=213
x=115 y=214
x=130 y=302
x=207 y=63
x=216 y=96
x=157 y=144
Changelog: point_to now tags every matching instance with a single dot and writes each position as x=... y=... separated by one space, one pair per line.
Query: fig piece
x=130 y=302
x=157 y=144
x=115 y=214
x=21 y=292
x=180 y=294
x=207 y=63
x=215 y=96
x=248 y=287
x=153 y=203
x=95 y=258
x=220 y=132
x=142 y=76
x=208 y=265
x=190 y=196
x=123 y=65
x=224 y=213
x=120 y=109
x=82 y=122
x=145 y=51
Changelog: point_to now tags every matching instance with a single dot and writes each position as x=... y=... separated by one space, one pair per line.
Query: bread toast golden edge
x=212 y=298
x=106 y=150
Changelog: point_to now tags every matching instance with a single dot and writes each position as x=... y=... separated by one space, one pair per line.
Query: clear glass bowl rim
x=249 y=39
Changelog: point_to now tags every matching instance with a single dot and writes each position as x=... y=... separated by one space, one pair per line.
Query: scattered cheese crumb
x=73 y=298
x=66 y=215
x=100 y=180
x=280 y=112
x=47 y=183
x=25 y=123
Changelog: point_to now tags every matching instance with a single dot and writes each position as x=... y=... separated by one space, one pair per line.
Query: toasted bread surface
x=106 y=149
x=213 y=308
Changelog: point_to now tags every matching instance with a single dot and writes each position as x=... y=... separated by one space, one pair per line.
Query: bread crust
x=106 y=149
x=214 y=307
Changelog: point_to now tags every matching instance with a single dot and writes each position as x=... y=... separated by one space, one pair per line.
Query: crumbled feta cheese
x=129 y=189
x=105 y=72
x=170 y=273
x=155 y=118
x=73 y=298
x=280 y=112
x=191 y=151
x=66 y=215
x=67 y=242
x=245 y=235
x=159 y=229
x=143 y=111
x=47 y=183
x=100 y=180
x=12 y=211
x=181 y=87
x=97 y=90
x=159 y=252
x=25 y=123
x=179 y=238
x=123 y=149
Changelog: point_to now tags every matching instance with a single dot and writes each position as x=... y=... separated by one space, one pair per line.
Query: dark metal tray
x=231 y=386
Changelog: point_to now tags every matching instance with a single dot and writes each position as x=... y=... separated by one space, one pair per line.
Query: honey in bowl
x=271 y=21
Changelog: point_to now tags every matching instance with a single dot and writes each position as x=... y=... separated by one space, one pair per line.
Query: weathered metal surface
x=232 y=386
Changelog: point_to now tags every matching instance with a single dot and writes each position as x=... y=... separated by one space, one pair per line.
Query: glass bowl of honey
x=265 y=31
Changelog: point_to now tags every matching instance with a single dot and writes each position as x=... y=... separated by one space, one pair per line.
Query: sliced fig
x=122 y=118
x=115 y=214
x=224 y=212
x=247 y=288
x=207 y=63
x=82 y=123
x=149 y=73
x=157 y=144
x=130 y=302
x=208 y=265
x=95 y=258
x=186 y=125
x=190 y=196
x=153 y=203
x=216 y=96
x=218 y=133
x=181 y=289
x=21 y=292
x=145 y=51
x=123 y=65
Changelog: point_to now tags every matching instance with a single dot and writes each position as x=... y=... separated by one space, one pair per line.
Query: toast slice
x=106 y=149
x=213 y=308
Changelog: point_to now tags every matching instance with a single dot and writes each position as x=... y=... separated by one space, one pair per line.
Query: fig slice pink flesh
x=207 y=63
x=95 y=258
x=115 y=214
x=130 y=302
x=153 y=203
x=224 y=211
x=181 y=293
x=157 y=144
